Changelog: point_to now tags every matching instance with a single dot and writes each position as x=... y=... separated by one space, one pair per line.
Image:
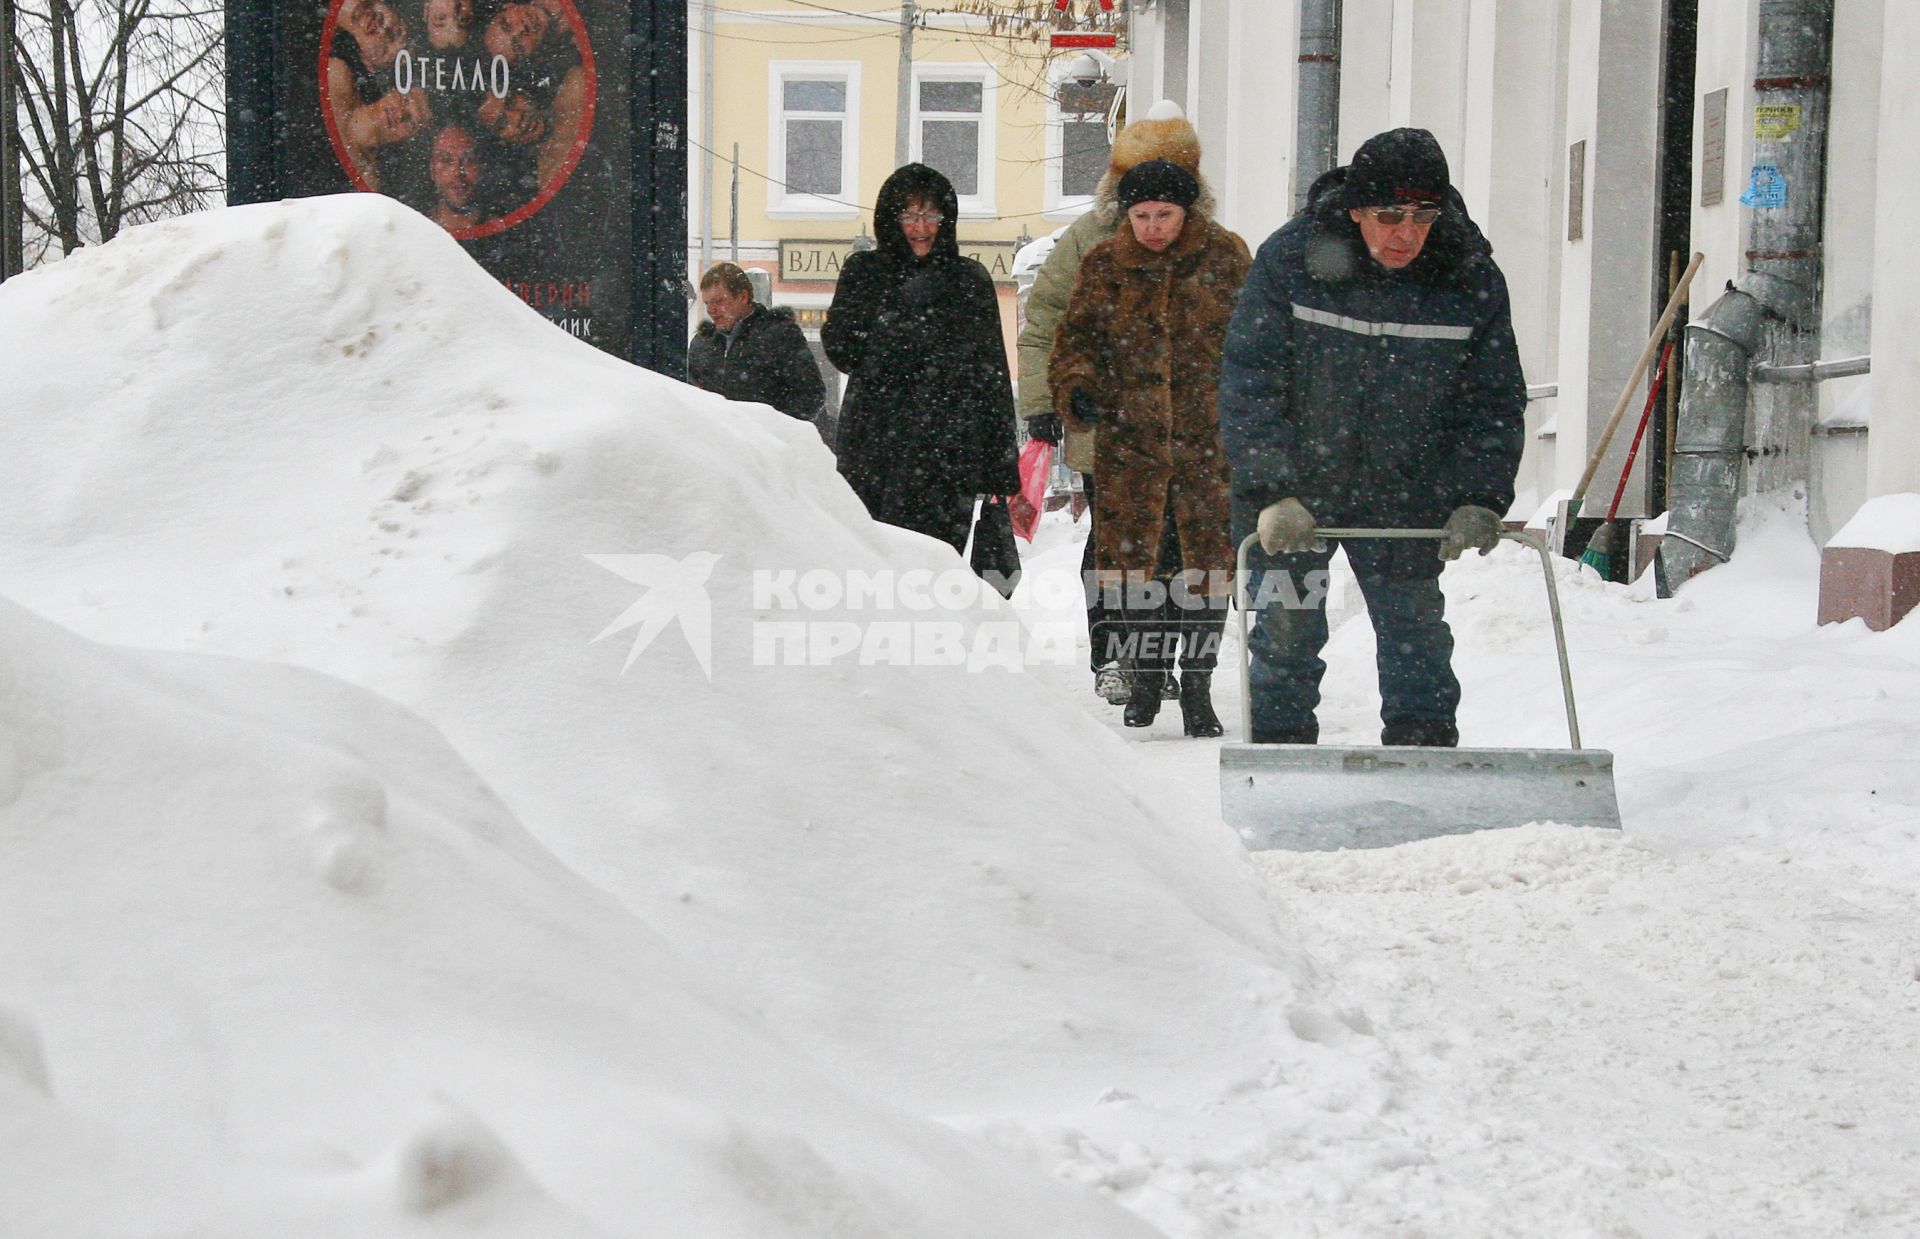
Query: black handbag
x=995 y=557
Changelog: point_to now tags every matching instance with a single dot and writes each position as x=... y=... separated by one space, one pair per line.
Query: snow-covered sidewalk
x=1705 y=1025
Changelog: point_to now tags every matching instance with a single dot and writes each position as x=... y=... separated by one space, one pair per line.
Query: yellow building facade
x=807 y=92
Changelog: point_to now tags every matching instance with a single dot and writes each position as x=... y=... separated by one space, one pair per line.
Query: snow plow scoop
x=1322 y=797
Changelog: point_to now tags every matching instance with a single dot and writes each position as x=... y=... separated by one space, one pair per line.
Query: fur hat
x=1158 y=180
x=1165 y=133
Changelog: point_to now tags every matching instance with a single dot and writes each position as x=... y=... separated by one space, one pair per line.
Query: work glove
x=1080 y=404
x=1044 y=427
x=1286 y=527
x=1470 y=526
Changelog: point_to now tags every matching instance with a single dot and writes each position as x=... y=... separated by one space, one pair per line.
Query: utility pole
x=12 y=247
x=706 y=141
x=903 y=114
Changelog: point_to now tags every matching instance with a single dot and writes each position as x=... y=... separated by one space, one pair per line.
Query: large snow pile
x=275 y=961
x=314 y=432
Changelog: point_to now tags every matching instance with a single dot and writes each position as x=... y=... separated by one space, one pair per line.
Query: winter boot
x=1305 y=733
x=1432 y=733
x=1196 y=704
x=1110 y=684
x=1144 y=704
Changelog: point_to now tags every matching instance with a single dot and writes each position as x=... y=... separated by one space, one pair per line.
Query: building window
x=953 y=131
x=814 y=143
x=1078 y=145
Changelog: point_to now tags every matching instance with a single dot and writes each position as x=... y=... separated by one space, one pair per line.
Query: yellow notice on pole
x=1774 y=121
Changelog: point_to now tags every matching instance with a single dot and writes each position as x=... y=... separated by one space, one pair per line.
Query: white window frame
x=1054 y=199
x=781 y=202
x=972 y=206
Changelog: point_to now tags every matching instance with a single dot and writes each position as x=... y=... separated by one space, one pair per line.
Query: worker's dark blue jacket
x=1374 y=397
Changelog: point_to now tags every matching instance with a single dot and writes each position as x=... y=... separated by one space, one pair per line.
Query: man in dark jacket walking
x=744 y=351
x=1370 y=379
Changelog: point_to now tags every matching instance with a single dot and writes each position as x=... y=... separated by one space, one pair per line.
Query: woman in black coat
x=927 y=423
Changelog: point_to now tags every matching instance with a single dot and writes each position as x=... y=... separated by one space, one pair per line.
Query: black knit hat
x=1400 y=165
x=1158 y=180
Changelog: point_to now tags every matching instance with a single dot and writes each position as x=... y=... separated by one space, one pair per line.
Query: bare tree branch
x=121 y=119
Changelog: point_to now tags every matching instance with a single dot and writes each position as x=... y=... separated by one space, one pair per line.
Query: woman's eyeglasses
x=1393 y=217
x=923 y=217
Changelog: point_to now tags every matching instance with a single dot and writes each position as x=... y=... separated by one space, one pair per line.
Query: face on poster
x=473 y=112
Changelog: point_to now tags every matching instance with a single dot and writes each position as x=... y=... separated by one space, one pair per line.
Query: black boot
x=1144 y=704
x=1196 y=704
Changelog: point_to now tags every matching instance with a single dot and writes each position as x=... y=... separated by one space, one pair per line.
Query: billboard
x=513 y=124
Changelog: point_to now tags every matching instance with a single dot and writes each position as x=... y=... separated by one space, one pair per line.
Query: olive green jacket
x=1047 y=305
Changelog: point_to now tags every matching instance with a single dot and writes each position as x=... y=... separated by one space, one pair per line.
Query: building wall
x=1894 y=445
x=1509 y=86
x=1838 y=457
x=1251 y=172
x=1729 y=49
x=756 y=40
x=1514 y=180
x=1606 y=293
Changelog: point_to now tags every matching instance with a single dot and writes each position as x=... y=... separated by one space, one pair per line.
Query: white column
x=1511 y=176
x=1893 y=446
x=1145 y=74
x=1728 y=51
x=1249 y=135
x=1436 y=87
x=1837 y=462
x=1606 y=289
x=1366 y=72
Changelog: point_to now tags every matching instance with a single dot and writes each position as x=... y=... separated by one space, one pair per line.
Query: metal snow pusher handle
x=1526 y=537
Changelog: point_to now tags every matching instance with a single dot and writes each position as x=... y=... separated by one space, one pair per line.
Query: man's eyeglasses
x=923 y=217
x=1393 y=216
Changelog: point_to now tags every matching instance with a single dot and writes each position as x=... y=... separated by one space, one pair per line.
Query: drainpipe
x=1773 y=312
x=1316 y=146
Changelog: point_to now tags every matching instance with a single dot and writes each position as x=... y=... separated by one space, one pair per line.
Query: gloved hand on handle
x=1286 y=527
x=1470 y=526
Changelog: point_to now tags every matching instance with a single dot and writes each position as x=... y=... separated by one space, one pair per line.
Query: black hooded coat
x=928 y=412
x=1375 y=397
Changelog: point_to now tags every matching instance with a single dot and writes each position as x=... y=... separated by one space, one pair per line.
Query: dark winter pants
x=1155 y=623
x=1400 y=581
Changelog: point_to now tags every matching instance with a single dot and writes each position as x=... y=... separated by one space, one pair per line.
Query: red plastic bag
x=1036 y=461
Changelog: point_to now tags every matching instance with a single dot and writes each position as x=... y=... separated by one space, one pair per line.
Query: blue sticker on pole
x=1765 y=187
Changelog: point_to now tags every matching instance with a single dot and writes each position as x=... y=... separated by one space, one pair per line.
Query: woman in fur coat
x=927 y=423
x=1138 y=356
x=1163 y=133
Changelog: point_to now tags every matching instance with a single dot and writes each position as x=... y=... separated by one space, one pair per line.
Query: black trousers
x=1151 y=627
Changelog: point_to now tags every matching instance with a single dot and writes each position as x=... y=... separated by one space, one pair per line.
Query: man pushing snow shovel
x=1370 y=380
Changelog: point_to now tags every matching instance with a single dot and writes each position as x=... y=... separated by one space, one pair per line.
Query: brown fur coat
x=1143 y=334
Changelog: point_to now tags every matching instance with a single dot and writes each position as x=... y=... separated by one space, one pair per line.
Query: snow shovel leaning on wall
x=1320 y=797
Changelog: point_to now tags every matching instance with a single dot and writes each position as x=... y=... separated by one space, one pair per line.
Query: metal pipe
x=1815 y=372
x=1703 y=487
x=1773 y=312
x=1316 y=147
x=1791 y=92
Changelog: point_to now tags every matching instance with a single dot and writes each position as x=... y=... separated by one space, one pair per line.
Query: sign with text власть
x=804 y=260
